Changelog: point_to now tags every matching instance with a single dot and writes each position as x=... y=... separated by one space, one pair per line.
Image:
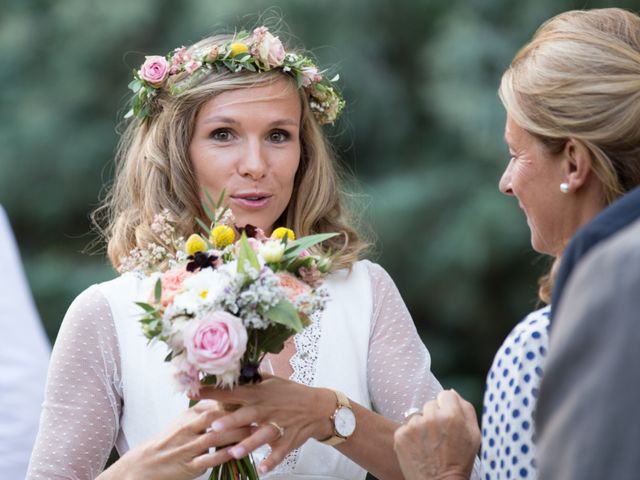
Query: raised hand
x=287 y=414
x=442 y=442
x=181 y=451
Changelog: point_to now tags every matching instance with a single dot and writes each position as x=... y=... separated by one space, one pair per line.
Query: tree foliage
x=422 y=133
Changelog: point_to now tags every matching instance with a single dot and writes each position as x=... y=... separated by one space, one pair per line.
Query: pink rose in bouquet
x=293 y=286
x=267 y=49
x=154 y=70
x=172 y=281
x=216 y=342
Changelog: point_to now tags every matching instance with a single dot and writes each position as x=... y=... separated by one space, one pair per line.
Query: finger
x=240 y=418
x=450 y=402
x=416 y=421
x=265 y=434
x=239 y=395
x=205 y=405
x=430 y=409
x=278 y=453
x=410 y=413
x=469 y=412
x=204 y=442
x=210 y=459
x=205 y=418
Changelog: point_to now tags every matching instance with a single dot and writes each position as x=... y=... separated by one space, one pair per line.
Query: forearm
x=115 y=472
x=371 y=445
x=125 y=468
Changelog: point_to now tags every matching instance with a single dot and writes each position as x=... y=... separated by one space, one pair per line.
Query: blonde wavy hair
x=154 y=173
x=579 y=78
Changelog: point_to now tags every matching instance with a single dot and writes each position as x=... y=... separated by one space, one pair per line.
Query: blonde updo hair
x=579 y=78
x=154 y=172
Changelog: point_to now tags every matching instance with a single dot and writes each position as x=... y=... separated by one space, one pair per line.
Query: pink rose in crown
x=192 y=65
x=172 y=284
x=154 y=70
x=310 y=75
x=267 y=49
x=293 y=287
x=179 y=58
x=215 y=343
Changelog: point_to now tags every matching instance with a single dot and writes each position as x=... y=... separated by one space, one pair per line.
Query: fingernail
x=237 y=452
x=263 y=469
x=217 y=426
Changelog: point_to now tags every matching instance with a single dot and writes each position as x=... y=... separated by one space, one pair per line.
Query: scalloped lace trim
x=303 y=363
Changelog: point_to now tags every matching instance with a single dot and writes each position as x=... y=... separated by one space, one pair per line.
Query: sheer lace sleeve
x=399 y=366
x=80 y=414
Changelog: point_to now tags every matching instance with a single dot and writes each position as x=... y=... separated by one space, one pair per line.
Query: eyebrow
x=233 y=121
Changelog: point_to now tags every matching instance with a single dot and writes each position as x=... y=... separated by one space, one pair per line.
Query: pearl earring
x=564 y=187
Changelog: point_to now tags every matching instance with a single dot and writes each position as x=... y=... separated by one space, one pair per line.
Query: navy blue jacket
x=615 y=217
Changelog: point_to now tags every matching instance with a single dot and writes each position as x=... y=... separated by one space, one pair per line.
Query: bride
x=243 y=114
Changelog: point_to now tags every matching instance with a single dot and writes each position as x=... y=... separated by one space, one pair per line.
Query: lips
x=252 y=199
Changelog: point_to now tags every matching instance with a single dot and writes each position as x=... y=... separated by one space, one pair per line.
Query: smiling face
x=534 y=176
x=247 y=142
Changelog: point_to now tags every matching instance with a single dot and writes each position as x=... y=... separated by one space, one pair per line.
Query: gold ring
x=278 y=428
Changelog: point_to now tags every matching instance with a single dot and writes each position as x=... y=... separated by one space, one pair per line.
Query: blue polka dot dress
x=508 y=439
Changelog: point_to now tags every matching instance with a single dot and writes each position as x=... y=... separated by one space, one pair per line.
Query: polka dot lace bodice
x=508 y=437
x=83 y=401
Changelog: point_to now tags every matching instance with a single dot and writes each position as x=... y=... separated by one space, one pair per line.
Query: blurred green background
x=422 y=133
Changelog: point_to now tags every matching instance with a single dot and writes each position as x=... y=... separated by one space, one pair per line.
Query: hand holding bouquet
x=225 y=300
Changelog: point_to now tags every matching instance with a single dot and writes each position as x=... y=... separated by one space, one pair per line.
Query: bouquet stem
x=236 y=469
x=242 y=469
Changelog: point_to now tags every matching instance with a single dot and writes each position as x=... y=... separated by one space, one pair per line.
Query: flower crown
x=258 y=52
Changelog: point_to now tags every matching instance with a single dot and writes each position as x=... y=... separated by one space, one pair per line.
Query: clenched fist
x=442 y=442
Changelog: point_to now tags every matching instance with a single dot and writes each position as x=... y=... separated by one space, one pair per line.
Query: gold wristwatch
x=343 y=420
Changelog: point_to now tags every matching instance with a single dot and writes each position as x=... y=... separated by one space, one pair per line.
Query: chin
x=542 y=247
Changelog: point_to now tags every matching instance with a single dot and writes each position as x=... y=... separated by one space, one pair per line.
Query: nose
x=505 y=181
x=253 y=164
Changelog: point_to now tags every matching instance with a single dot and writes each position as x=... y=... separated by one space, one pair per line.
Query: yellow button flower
x=237 y=48
x=222 y=235
x=280 y=233
x=195 y=243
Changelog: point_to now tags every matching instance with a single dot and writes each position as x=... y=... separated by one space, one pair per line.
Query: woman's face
x=247 y=142
x=533 y=176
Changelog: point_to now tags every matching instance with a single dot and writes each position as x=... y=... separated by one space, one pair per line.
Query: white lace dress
x=106 y=387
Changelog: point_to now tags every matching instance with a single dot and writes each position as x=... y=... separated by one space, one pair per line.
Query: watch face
x=345 y=421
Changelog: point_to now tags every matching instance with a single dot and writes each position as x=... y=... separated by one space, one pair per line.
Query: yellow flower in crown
x=237 y=48
x=195 y=243
x=222 y=235
x=281 y=232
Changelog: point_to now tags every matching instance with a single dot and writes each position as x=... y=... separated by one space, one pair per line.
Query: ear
x=577 y=163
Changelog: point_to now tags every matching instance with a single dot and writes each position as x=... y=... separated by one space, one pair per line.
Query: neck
x=588 y=201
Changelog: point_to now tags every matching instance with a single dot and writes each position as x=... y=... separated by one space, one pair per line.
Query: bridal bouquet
x=225 y=299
